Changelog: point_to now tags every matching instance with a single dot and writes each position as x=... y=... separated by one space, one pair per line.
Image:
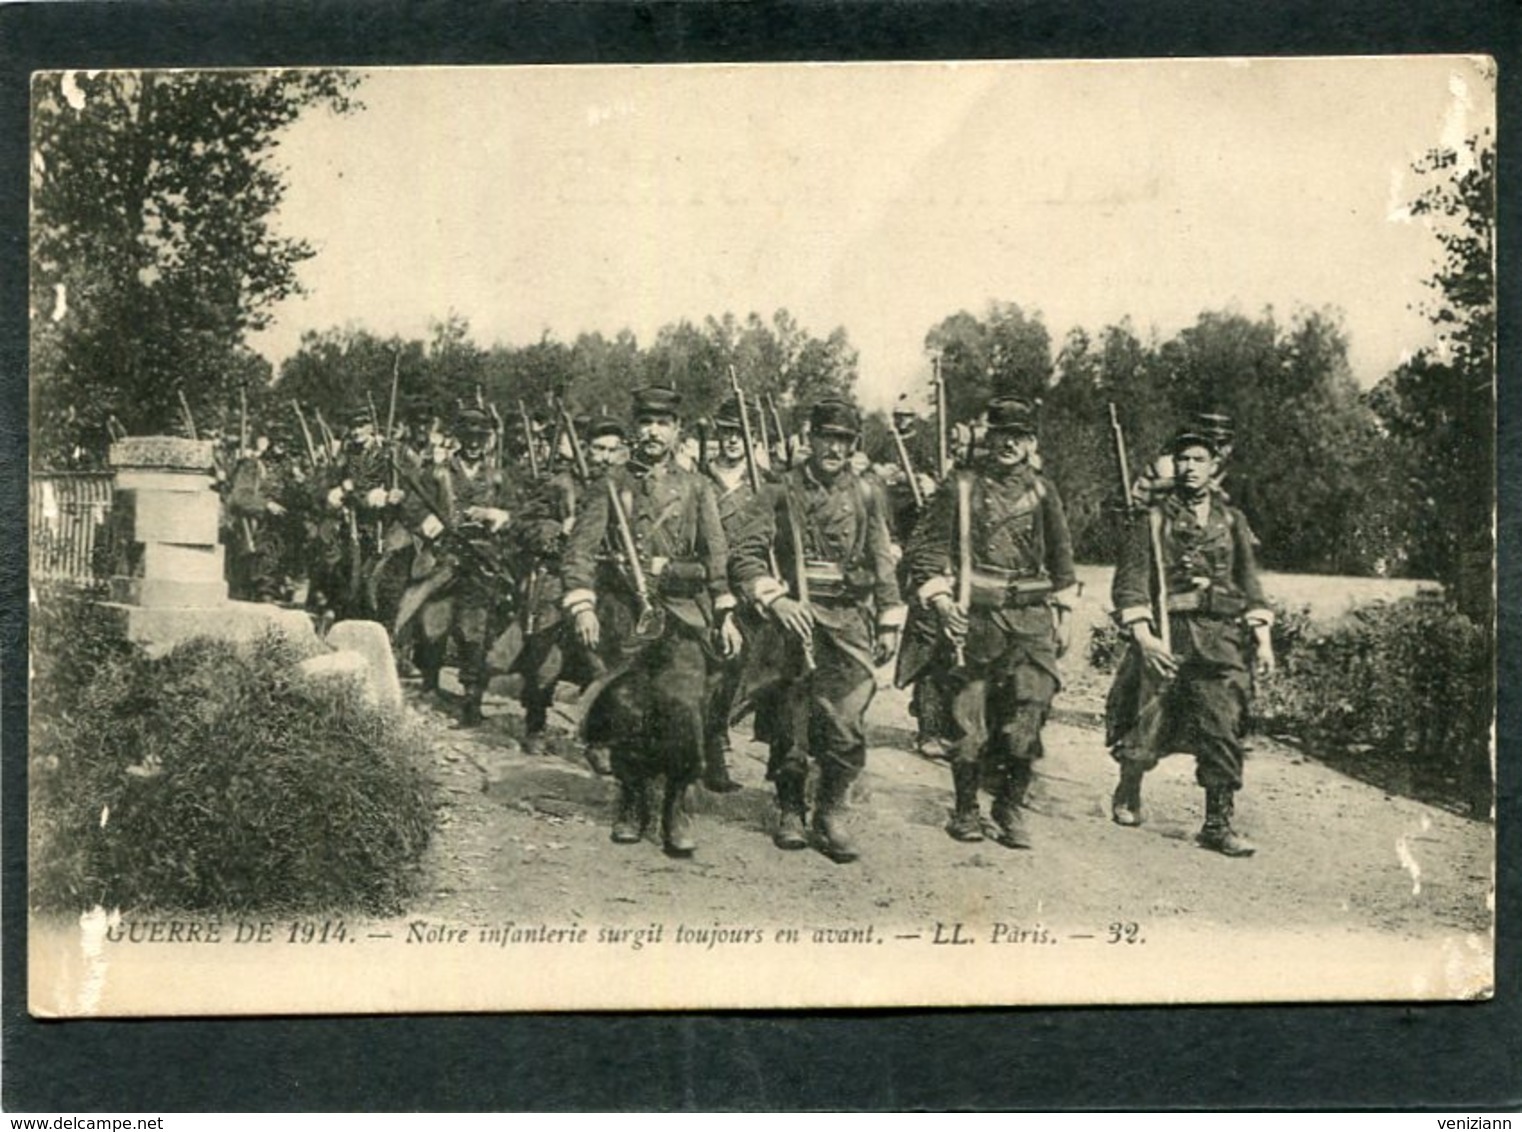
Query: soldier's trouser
x=538 y=691
x=1199 y=712
x=474 y=625
x=723 y=686
x=997 y=713
x=653 y=717
x=821 y=713
x=930 y=705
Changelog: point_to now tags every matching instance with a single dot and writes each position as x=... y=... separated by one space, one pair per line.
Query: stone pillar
x=167 y=583
x=166 y=515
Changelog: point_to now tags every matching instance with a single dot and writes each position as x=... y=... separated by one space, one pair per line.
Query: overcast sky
x=877 y=197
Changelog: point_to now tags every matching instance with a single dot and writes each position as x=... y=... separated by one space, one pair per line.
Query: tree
x=1440 y=406
x=1006 y=352
x=153 y=251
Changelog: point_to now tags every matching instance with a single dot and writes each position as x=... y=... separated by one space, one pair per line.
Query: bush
x=213 y=779
x=1408 y=684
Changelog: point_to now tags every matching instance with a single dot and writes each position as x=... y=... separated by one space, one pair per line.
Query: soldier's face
x=604 y=451
x=473 y=443
x=731 y=444
x=831 y=451
x=657 y=434
x=1194 y=467
x=1009 y=449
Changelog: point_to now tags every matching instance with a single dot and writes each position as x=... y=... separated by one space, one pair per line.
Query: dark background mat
x=1307 y=1057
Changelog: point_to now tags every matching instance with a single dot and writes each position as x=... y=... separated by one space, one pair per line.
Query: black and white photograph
x=762 y=536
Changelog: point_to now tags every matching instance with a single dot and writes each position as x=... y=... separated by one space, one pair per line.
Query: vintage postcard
x=665 y=537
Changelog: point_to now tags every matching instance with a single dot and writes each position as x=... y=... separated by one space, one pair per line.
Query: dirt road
x=526 y=838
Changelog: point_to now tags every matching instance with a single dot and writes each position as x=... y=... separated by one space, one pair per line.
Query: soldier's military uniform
x=540 y=532
x=454 y=594
x=829 y=525
x=736 y=496
x=1215 y=603
x=261 y=494
x=1022 y=584
x=648 y=706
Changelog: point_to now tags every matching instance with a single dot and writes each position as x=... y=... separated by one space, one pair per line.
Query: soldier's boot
x=1126 y=802
x=599 y=759
x=1007 y=807
x=471 y=714
x=676 y=822
x=716 y=769
x=829 y=825
x=1217 y=833
x=791 y=810
x=535 y=722
x=967 y=822
x=633 y=812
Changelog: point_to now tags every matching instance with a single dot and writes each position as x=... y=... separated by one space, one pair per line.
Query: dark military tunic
x=548 y=651
x=1214 y=598
x=853 y=590
x=648 y=708
x=1022 y=560
x=450 y=595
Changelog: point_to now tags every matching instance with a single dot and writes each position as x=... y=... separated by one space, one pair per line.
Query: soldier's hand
x=1157 y=658
x=953 y=618
x=886 y=646
x=731 y=639
x=274 y=508
x=1263 y=661
x=588 y=631
x=395 y=496
x=795 y=617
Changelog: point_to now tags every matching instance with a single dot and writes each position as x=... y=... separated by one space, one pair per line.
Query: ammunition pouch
x=831 y=581
x=682 y=579
x=1207 y=603
x=991 y=588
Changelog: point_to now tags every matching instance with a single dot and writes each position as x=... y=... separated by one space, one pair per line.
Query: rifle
x=766 y=441
x=787 y=452
x=246 y=524
x=964 y=557
x=800 y=569
x=306 y=433
x=751 y=469
x=500 y=435
x=702 y=430
x=577 y=453
x=455 y=540
x=396 y=370
x=942 y=438
x=190 y=421
x=907 y=465
x=1154 y=534
x=329 y=441
x=529 y=438
x=651 y=623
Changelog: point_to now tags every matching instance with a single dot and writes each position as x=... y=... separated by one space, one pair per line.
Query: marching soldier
x=457 y=592
x=654 y=628
x=837 y=605
x=728 y=469
x=263 y=488
x=1188 y=693
x=993 y=561
x=549 y=653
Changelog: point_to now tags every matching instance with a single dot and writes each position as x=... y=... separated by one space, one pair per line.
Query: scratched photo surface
x=1089 y=598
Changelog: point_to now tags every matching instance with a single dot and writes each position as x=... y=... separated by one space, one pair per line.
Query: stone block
x=167 y=593
x=170 y=562
x=342 y=665
x=157 y=479
x=158 y=630
x=184 y=518
x=369 y=640
x=162 y=452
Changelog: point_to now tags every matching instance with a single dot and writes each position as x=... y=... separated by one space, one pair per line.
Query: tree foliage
x=154 y=250
x=1439 y=407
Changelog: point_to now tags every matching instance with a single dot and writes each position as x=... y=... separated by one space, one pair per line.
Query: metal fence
x=68 y=522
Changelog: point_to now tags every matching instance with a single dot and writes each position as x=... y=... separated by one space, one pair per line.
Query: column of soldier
x=685 y=579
